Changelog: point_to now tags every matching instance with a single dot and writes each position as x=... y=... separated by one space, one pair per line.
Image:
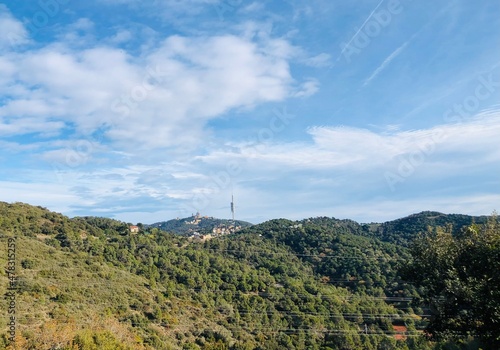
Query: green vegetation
x=460 y=280
x=87 y=283
x=404 y=231
x=200 y=224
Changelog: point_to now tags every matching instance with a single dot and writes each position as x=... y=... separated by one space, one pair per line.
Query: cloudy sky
x=149 y=110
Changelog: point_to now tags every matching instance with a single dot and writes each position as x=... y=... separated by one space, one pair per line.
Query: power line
x=353 y=296
x=307 y=255
x=266 y=330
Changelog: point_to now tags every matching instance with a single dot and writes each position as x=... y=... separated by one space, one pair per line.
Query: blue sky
x=146 y=111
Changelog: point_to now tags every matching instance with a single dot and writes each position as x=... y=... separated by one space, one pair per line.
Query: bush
x=88 y=340
x=28 y=264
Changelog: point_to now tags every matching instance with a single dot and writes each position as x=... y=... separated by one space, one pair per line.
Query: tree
x=460 y=279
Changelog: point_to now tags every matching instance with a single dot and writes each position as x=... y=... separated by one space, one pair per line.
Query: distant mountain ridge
x=404 y=230
x=401 y=231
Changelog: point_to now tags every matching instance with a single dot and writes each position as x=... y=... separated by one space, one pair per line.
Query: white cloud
x=253 y=7
x=160 y=99
x=359 y=149
x=173 y=10
x=153 y=105
x=15 y=147
x=13 y=32
x=121 y=36
x=53 y=196
x=308 y=88
x=380 y=210
x=29 y=125
x=83 y=24
x=339 y=161
x=319 y=61
x=339 y=165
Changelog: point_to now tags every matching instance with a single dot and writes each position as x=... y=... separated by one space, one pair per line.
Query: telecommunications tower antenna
x=232 y=206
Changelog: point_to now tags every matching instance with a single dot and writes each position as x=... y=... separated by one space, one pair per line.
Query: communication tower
x=232 y=207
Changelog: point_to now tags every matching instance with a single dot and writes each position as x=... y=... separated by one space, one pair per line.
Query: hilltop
x=401 y=231
x=198 y=224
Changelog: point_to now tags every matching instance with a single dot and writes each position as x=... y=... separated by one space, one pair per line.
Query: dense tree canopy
x=319 y=283
x=460 y=277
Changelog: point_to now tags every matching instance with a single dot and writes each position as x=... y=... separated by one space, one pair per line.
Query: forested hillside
x=196 y=223
x=403 y=231
x=87 y=283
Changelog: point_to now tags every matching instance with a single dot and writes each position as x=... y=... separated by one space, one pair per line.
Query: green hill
x=88 y=283
x=197 y=223
x=403 y=231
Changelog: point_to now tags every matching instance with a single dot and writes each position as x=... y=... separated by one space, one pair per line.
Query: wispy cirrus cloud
x=360 y=28
x=384 y=64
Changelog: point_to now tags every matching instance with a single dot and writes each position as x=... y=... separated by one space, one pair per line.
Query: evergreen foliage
x=322 y=283
x=460 y=279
